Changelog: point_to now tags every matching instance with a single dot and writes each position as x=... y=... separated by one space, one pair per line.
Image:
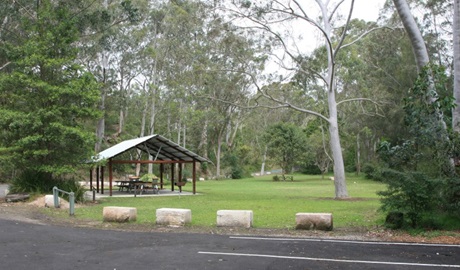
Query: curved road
x=33 y=246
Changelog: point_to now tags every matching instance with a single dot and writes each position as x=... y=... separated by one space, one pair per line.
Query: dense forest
x=237 y=82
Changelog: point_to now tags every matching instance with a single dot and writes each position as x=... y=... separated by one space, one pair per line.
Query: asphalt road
x=33 y=246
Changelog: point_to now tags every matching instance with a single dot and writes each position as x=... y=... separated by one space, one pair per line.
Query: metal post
x=56 y=197
x=72 y=203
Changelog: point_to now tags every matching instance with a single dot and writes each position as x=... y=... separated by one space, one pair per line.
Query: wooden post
x=102 y=179
x=91 y=179
x=97 y=178
x=194 y=177
x=172 y=176
x=110 y=177
x=162 y=167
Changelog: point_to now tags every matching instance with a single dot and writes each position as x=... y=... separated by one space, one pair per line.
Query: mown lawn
x=274 y=203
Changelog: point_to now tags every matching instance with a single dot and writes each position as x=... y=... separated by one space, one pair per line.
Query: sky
x=310 y=38
x=367 y=9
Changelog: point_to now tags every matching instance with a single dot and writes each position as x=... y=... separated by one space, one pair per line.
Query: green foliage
x=47 y=96
x=411 y=193
x=283 y=177
x=373 y=171
x=148 y=177
x=286 y=145
x=426 y=109
x=42 y=183
x=310 y=168
x=399 y=157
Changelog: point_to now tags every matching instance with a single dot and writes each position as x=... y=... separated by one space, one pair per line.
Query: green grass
x=274 y=204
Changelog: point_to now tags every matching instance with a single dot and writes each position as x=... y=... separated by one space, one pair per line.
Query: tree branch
x=365 y=34
x=5 y=65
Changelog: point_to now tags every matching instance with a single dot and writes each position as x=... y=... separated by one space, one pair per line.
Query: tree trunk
x=456 y=37
x=358 y=155
x=142 y=132
x=422 y=59
x=100 y=128
x=264 y=158
x=336 y=148
x=416 y=38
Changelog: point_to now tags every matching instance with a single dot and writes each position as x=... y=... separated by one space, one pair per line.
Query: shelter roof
x=157 y=146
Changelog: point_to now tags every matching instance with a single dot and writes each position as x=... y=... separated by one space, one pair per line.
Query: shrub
x=43 y=183
x=410 y=193
x=394 y=220
x=368 y=170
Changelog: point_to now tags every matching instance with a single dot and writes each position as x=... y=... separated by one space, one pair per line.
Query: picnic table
x=137 y=185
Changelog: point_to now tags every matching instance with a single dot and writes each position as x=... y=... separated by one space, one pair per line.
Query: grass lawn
x=274 y=204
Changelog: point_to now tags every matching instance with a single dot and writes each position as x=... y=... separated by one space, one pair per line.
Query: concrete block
x=49 y=201
x=173 y=216
x=119 y=214
x=314 y=221
x=234 y=218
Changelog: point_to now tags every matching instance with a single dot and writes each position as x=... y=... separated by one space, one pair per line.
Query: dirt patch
x=36 y=212
x=40 y=202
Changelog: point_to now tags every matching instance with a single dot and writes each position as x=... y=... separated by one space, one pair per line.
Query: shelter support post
x=172 y=176
x=194 y=177
x=162 y=167
x=91 y=179
x=102 y=179
x=110 y=177
x=97 y=179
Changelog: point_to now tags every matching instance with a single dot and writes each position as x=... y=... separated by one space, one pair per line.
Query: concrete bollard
x=314 y=221
x=49 y=201
x=173 y=216
x=119 y=214
x=234 y=218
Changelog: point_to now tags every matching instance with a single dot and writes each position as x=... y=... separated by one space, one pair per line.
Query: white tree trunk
x=456 y=37
x=341 y=191
x=415 y=36
x=264 y=158
x=421 y=57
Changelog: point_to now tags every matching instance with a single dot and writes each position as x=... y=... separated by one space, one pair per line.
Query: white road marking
x=327 y=260
x=342 y=241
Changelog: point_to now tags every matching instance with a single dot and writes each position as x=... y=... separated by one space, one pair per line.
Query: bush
x=43 y=183
x=410 y=193
x=310 y=169
x=394 y=220
x=451 y=195
x=369 y=170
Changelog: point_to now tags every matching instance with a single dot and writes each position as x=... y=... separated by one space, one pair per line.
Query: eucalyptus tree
x=273 y=18
x=456 y=43
x=437 y=123
x=231 y=55
x=103 y=52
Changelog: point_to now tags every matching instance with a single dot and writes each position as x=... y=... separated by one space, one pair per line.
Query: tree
x=456 y=39
x=422 y=59
x=46 y=97
x=286 y=145
x=273 y=16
